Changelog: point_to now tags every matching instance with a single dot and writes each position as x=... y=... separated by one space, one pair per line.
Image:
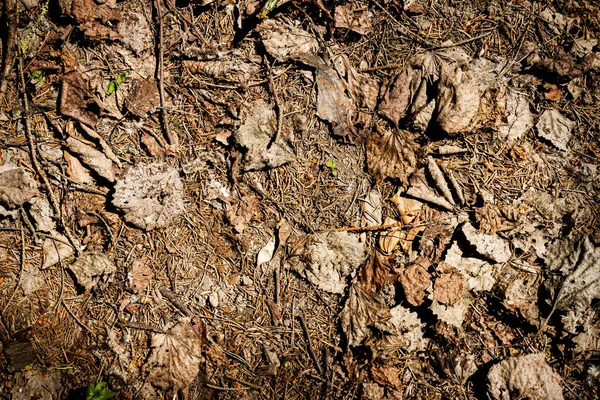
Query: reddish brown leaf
x=415 y=279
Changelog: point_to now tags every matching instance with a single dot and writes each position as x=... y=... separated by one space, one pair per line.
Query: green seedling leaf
x=37 y=75
x=332 y=166
x=113 y=85
x=98 y=392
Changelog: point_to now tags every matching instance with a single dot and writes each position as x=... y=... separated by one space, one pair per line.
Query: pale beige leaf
x=90 y=268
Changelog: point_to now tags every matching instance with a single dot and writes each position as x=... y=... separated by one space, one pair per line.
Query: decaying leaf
x=526 y=376
x=489 y=218
x=135 y=31
x=389 y=239
x=409 y=209
x=378 y=272
x=556 y=128
x=415 y=279
x=150 y=195
x=176 y=356
x=404 y=330
x=56 y=249
x=327 y=259
x=406 y=95
x=93 y=158
x=143 y=98
x=362 y=310
x=76 y=100
x=284 y=41
x=489 y=246
x=90 y=268
x=575 y=281
x=477 y=272
x=241 y=211
x=386 y=376
x=521 y=295
x=255 y=136
x=232 y=68
x=139 y=276
x=451 y=314
x=32 y=279
x=42 y=215
x=35 y=384
x=357 y=20
x=17 y=186
x=449 y=284
x=77 y=172
x=154 y=148
x=391 y=155
x=363 y=89
x=333 y=104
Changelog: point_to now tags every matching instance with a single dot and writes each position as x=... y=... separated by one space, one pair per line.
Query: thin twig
x=84 y=326
x=176 y=302
x=171 y=137
x=278 y=109
x=309 y=346
x=36 y=164
x=376 y=228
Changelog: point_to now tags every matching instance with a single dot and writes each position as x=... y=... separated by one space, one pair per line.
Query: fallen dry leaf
x=451 y=314
x=377 y=272
x=555 y=128
x=489 y=246
x=243 y=210
x=32 y=279
x=139 y=277
x=403 y=331
x=478 y=273
x=76 y=101
x=386 y=376
x=17 y=186
x=154 y=148
x=150 y=195
x=526 y=376
x=90 y=268
x=255 y=136
x=419 y=188
x=409 y=209
x=362 y=310
x=391 y=155
x=143 y=98
x=176 y=357
x=363 y=89
x=519 y=119
x=232 y=69
x=55 y=251
x=266 y=253
x=284 y=41
x=371 y=209
x=388 y=240
x=415 y=279
x=42 y=214
x=96 y=160
x=35 y=384
x=77 y=172
x=449 y=284
x=326 y=259
x=333 y=104
x=349 y=17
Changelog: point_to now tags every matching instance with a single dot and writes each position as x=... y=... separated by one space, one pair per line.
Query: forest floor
x=300 y=199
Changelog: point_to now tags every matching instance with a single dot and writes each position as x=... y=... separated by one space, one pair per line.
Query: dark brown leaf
x=391 y=155
x=414 y=280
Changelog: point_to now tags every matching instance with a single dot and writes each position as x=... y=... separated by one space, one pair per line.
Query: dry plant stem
x=277 y=102
x=171 y=137
x=309 y=346
x=175 y=300
x=376 y=228
x=20 y=270
x=36 y=164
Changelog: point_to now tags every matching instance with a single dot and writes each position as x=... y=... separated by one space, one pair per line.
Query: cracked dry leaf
x=489 y=246
x=363 y=89
x=333 y=104
x=349 y=17
x=363 y=309
x=575 y=281
x=255 y=136
x=150 y=195
x=327 y=259
x=176 y=357
x=391 y=155
x=143 y=98
x=406 y=94
x=521 y=295
x=448 y=287
x=415 y=279
x=377 y=272
x=439 y=179
x=90 y=268
x=479 y=273
x=94 y=159
x=241 y=211
x=42 y=215
x=521 y=377
x=76 y=101
x=555 y=128
x=284 y=41
x=17 y=186
x=404 y=330
x=451 y=314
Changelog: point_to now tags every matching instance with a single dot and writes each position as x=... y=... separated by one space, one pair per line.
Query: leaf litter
x=461 y=217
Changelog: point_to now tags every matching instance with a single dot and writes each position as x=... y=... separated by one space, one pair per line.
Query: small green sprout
x=269 y=6
x=113 y=85
x=98 y=392
x=332 y=167
x=37 y=75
